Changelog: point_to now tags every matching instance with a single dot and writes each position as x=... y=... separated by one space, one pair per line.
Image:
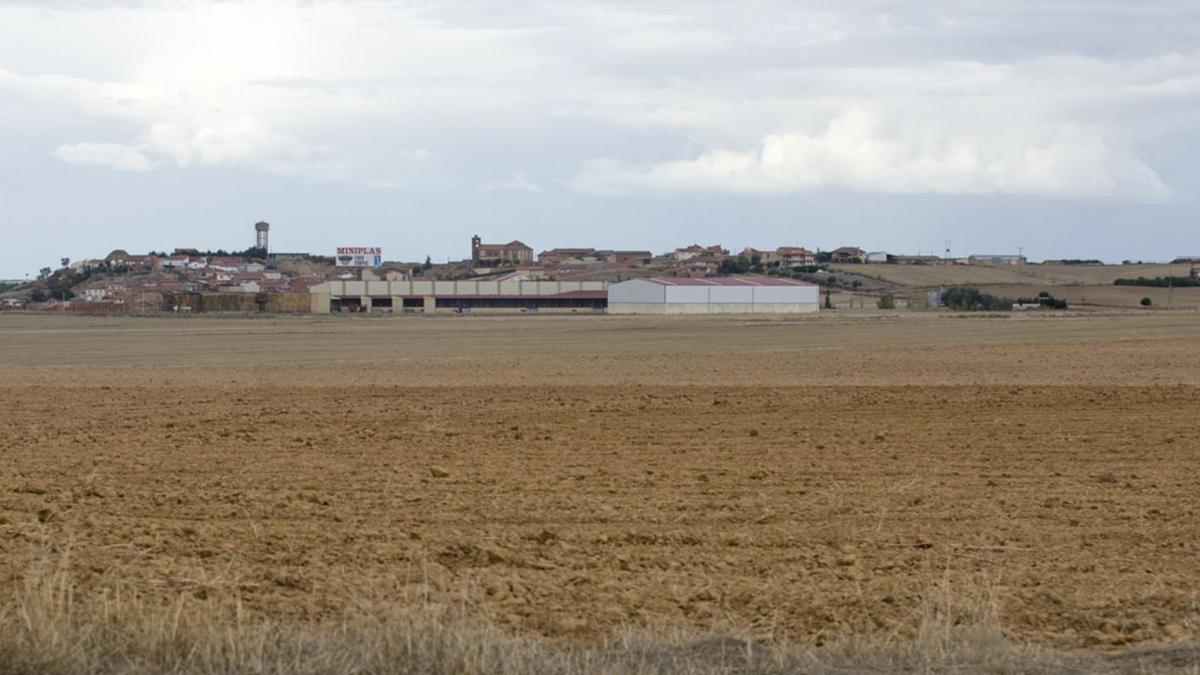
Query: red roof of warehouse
x=726 y=281
x=569 y=295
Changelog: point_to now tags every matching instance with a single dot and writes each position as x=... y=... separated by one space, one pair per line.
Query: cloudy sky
x=1063 y=128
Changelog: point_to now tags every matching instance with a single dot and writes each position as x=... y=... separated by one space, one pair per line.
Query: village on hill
x=259 y=279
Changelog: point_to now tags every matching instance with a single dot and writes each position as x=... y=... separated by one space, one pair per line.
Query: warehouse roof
x=726 y=281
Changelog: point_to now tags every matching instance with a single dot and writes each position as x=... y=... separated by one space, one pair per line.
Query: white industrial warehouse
x=724 y=295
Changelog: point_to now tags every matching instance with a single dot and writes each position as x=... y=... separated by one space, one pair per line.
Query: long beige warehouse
x=724 y=295
x=464 y=295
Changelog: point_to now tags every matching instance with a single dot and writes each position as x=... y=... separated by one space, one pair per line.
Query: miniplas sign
x=359 y=256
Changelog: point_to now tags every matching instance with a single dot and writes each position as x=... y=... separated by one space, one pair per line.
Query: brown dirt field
x=1103 y=275
x=932 y=276
x=1041 y=276
x=800 y=479
x=1129 y=297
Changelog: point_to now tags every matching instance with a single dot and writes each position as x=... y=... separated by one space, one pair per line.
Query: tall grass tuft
x=48 y=629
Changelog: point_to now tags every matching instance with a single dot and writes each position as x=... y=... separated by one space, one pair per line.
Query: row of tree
x=1044 y=299
x=1160 y=282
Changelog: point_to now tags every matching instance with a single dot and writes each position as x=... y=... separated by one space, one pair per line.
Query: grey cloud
x=664 y=102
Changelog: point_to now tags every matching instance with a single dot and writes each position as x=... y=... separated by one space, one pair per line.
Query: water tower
x=261 y=228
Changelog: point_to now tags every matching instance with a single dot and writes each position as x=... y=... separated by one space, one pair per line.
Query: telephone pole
x=1170 y=289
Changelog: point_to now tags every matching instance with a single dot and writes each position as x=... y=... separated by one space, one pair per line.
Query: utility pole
x=1170 y=289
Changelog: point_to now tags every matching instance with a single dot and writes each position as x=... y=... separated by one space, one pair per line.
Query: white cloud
x=772 y=98
x=858 y=150
x=242 y=142
x=203 y=85
x=414 y=154
x=518 y=182
x=111 y=155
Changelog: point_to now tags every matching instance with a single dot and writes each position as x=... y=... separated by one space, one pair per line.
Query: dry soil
x=797 y=479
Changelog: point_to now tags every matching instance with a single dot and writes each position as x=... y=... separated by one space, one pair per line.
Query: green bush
x=887 y=301
x=967 y=299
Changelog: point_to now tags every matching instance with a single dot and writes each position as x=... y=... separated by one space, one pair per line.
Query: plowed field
x=798 y=479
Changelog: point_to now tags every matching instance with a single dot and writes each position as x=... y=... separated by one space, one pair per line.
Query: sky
x=1060 y=129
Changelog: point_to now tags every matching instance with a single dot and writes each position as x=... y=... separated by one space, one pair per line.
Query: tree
x=1045 y=301
x=428 y=263
x=738 y=265
x=1146 y=302
x=966 y=298
x=886 y=301
x=824 y=256
x=65 y=261
x=828 y=299
x=44 y=272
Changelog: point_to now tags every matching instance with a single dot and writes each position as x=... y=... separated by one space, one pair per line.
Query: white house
x=86 y=265
x=996 y=259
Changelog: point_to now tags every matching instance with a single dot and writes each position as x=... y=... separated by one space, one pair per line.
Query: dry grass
x=48 y=629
